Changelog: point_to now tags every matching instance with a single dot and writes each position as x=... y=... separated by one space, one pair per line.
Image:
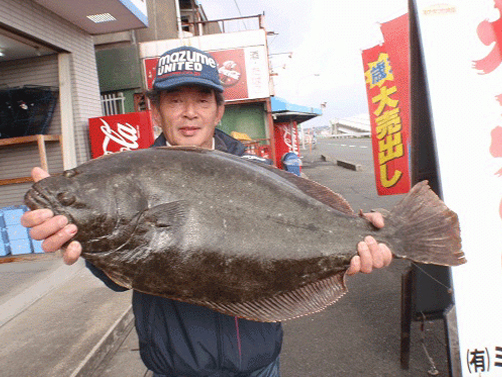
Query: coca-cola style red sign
x=243 y=72
x=118 y=133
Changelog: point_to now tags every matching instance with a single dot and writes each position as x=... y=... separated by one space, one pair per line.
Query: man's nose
x=190 y=109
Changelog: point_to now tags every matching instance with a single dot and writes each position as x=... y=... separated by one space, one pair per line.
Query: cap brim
x=175 y=82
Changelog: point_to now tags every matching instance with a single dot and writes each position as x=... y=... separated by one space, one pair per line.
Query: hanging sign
x=389 y=134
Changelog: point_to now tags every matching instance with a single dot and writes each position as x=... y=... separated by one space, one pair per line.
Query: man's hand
x=371 y=254
x=54 y=230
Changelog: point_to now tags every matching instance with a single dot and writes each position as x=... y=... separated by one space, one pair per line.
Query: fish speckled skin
x=213 y=229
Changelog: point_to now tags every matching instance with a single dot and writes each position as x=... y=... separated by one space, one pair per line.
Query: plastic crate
x=37 y=246
x=15 y=238
x=17 y=232
x=12 y=215
x=22 y=246
x=4 y=244
x=4 y=248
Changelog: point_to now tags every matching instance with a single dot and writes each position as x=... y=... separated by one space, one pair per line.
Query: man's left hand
x=372 y=255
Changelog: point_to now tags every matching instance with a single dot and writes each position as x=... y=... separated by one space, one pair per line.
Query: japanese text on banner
x=387 y=132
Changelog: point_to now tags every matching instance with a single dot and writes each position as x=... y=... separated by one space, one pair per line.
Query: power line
x=239 y=9
x=240 y=13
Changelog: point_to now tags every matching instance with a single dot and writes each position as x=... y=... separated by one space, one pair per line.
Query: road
x=357 y=151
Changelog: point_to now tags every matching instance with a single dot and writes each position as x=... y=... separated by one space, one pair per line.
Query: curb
x=343 y=164
x=108 y=345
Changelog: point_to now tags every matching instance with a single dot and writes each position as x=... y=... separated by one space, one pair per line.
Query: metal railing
x=113 y=103
x=229 y=25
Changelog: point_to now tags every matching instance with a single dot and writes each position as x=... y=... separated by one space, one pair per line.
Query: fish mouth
x=36 y=198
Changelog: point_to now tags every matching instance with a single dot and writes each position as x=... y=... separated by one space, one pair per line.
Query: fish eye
x=66 y=199
x=69 y=173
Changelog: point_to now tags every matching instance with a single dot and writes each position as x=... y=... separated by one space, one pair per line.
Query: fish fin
x=119 y=279
x=315 y=190
x=166 y=215
x=429 y=232
x=306 y=300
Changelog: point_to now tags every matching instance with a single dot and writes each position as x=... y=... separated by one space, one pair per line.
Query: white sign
x=257 y=72
x=462 y=47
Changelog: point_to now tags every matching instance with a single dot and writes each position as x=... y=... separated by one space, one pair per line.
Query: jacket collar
x=222 y=142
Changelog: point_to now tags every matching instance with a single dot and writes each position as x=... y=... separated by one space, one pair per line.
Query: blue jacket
x=180 y=339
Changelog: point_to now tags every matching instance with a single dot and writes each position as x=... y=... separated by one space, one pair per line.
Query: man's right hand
x=54 y=230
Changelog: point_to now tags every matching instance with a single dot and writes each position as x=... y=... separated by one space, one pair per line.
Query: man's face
x=188 y=116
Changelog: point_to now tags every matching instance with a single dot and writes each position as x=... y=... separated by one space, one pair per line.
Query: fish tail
x=426 y=230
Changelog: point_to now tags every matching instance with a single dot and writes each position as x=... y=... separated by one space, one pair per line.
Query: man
x=179 y=339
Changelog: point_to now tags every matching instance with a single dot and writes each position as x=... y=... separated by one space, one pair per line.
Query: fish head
x=100 y=205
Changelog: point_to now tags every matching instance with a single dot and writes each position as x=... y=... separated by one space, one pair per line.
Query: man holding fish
x=177 y=338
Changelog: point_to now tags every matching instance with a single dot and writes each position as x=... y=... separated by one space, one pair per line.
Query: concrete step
x=67 y=330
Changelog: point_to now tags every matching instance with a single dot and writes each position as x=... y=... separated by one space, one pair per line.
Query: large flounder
x=244 y=239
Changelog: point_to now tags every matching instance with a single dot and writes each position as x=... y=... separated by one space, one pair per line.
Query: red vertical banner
x=396 y=35
x=388 y=128
x=123 y=132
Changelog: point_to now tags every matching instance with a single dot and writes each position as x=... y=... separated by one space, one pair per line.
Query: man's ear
x=220 y=112
x=156 y=119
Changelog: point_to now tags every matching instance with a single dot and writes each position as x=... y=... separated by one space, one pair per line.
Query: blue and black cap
x=186 y=66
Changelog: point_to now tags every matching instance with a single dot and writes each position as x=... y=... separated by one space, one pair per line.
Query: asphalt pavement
x=57 y=320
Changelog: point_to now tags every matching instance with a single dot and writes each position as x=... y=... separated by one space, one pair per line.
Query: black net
x=26 y=110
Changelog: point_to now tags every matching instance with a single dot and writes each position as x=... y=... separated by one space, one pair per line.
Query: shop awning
x=283 y=111
x=100 y=17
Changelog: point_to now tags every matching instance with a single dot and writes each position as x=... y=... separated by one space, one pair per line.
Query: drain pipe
x=178 y=18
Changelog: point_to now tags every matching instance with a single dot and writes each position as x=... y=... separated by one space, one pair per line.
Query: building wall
x=161 y=21
x=119 y=69
x=246 y=118
x=33 y=20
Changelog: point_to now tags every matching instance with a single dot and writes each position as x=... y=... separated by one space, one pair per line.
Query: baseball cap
x=186 y=66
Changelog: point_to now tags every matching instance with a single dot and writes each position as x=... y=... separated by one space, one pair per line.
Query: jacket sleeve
x=105 y=279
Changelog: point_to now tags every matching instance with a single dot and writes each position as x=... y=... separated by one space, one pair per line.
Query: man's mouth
x=189 y=131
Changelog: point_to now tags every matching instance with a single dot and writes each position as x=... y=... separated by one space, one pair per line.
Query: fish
x=241 y=238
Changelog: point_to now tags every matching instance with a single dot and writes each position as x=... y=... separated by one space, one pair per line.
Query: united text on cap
x=184 y=61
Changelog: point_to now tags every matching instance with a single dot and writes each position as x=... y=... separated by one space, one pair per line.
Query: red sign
x=150 y=65
x=232 y=70
x=118 y=133
x=240 y=80
x=388 y=114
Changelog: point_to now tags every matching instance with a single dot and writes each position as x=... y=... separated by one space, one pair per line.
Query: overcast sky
x=326 y=38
